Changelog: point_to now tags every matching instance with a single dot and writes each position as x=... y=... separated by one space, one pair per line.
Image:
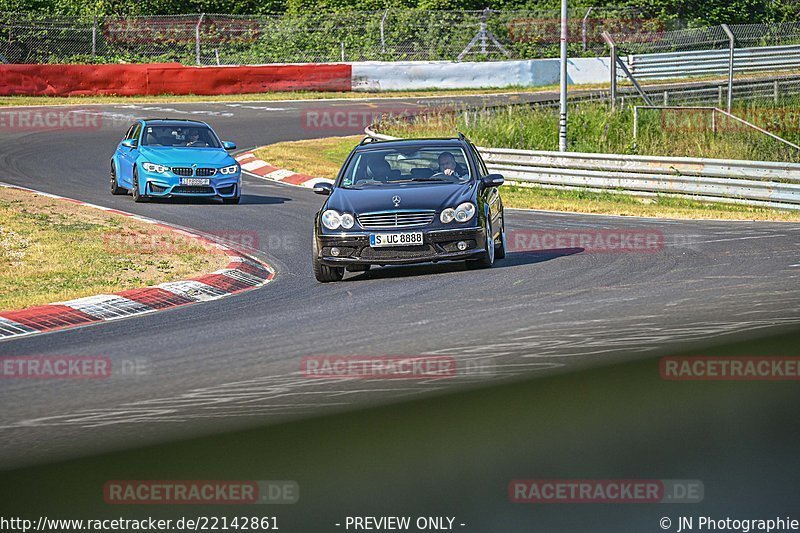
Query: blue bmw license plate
x=195 y=181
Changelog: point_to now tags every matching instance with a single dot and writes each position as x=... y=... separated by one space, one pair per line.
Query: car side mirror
x=228 y=145
x=130 y=143
x=493 y=180
x=323 y=187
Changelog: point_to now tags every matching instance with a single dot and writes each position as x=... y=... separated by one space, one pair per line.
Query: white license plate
x=377 y=240
x=195 y=181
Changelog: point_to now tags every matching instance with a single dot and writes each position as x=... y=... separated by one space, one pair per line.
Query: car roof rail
x=366 y=140
x=463 y=137
x=172 y=119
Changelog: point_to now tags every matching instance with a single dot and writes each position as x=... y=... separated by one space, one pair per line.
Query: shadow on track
x=512 y=259
x=251 y=199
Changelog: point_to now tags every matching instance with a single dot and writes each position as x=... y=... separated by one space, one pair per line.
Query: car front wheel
x=487 y=259
x=115 y=188
x=325 y=273
x=500 y=245
x=137 y=196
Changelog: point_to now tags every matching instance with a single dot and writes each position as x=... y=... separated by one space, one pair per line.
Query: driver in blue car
x=449 y=167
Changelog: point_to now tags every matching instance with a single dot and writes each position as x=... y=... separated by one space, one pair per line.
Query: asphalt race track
x=235 y=363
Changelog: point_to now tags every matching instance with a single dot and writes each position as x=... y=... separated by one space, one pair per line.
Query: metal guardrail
x=713 y=62
x=758 y=183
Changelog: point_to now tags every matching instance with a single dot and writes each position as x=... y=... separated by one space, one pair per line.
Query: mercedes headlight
x=347 y=220
x=465 y=212
x=233 y=169
x=152 y=167
x=448 y=215
x=331 y=219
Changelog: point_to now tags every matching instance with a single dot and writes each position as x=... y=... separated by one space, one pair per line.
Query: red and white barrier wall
x=170 y=78
x=415 y=75
x=173 y=78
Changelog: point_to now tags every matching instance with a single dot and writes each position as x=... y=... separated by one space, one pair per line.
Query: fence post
x=776 y=96
x=731 y=44
x=666 y=98
x=719 y=96
x=583 y=27
x=613 y=68
x=714 y=121
x=197 y=38
x=342 y=51
x=383 y=36
x=94 y=37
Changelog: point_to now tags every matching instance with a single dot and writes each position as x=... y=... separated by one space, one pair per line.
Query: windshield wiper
x=430 y=179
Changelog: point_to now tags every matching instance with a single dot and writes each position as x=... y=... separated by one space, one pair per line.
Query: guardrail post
x=613 y=68
x=383 y=36
x=719 y=96
x=776 y=96
x=714 y=121
x=731 y=45
x=583 y=27
x=635 y=126
x=666 y=98
x=197 y=38
x=94 y=37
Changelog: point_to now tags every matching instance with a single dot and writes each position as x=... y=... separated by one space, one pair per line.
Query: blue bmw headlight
x=233 y=169
x=152 y=167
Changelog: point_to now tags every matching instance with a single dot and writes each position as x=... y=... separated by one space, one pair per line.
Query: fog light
x=461 y=245
x=335 y=252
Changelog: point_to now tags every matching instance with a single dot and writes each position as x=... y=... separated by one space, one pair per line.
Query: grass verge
x=595 y=128
x=52 y=250
x=267 y=97
x=323 y=157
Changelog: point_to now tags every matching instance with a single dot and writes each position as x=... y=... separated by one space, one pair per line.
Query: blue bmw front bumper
x=168 y=185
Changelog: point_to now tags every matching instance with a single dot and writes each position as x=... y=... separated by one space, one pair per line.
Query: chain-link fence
x=750 y=70
x=387 y=35
x=720 y=65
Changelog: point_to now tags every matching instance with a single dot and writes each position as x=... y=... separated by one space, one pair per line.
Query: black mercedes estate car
x=409 y=201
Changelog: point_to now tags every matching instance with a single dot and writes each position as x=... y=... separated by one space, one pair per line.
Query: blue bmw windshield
x=395 y=167
x=180 y=136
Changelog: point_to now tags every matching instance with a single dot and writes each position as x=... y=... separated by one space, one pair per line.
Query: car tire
x=116 y=190
x=325 y=273
x=487 y=259
x=500 y=247
x=137 y=196
x=234 y=200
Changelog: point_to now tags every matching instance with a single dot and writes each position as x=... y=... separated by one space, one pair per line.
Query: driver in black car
x=449 y=167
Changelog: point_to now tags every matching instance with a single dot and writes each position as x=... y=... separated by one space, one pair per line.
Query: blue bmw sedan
x=166 y=158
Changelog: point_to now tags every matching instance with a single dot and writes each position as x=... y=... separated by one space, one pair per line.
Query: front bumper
x=437 y=245
x=167 y=186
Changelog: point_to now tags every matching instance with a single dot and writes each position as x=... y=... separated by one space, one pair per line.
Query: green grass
x=323 y=158
x=593 y=127
x=262 y=97
x=53 y=250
